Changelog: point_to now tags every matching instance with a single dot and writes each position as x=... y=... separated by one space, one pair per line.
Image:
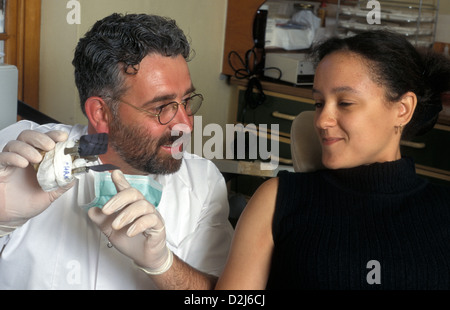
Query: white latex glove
x=21 y=196
x=134 y=227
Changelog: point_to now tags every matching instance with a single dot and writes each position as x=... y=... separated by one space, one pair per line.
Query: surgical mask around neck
x=103 y=189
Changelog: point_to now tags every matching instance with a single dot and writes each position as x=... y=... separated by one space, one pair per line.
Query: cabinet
x=416 y=19
x=431 y=153
x=239 y=29
x=282 y=104
x=279 y=109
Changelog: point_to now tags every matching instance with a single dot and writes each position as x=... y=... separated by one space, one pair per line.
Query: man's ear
x=98 y=114
x=406 y=106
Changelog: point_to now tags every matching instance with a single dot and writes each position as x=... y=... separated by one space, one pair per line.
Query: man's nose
x=183 y=118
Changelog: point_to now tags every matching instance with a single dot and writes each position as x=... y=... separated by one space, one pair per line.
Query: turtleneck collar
x=378 y=178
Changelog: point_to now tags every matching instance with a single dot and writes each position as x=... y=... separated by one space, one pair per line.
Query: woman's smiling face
x=354 y=121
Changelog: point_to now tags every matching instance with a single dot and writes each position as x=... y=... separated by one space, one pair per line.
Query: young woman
x=367 y=221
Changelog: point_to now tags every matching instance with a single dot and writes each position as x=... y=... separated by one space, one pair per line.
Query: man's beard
x=140 y=150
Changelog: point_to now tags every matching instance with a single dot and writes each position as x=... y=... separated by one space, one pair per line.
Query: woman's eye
x=318 y=105
x=345 y=104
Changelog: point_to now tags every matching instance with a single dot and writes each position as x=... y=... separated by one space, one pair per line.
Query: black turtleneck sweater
x=371 y=227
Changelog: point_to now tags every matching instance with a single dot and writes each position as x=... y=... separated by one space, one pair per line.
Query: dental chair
x=306 y=150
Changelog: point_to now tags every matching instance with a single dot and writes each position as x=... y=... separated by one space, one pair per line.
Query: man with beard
x=161 y=221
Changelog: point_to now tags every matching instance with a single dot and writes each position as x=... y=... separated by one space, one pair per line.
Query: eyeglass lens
x=192 y=105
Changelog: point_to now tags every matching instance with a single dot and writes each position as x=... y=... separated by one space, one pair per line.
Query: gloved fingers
x=58 y=135
x=23 y=150
x=8 y=159
x=96 y=216
x=101 y=220
x=119 y=180
x=37 y=139
x=149 y=225
x=61 y=190
x=132 y=212
x=121 y=200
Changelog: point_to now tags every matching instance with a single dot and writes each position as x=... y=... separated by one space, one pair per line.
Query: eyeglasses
x=167 y=112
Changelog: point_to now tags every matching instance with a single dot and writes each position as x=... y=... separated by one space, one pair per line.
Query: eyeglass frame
x=183 y=103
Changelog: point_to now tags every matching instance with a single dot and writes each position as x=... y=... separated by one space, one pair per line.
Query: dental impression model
x=70 y=159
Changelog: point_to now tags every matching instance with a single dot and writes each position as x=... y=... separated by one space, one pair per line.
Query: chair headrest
x=306 y=149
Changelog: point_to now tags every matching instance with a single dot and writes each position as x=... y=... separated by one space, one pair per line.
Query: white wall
x=203 y=21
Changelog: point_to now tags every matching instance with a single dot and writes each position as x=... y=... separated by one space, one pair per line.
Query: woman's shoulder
x=265 y=196
x=289 y=180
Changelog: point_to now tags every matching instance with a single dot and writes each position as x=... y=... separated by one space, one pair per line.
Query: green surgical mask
x=105 y=189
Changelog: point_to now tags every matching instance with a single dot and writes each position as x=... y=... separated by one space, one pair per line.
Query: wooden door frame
x=22 y=46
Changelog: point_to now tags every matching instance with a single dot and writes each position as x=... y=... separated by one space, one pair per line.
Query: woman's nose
x=325 y=117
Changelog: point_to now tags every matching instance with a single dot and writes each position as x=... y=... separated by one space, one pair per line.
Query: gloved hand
x=21 y=196
x=134 y=227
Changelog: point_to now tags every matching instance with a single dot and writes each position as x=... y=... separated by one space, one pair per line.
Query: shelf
x=415 y=19
x=252 y=168
x=279 y=87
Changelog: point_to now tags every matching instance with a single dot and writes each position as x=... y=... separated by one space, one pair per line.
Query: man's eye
x=153 y=110
x=158 y=108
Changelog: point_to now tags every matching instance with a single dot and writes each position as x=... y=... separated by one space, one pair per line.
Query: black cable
x=251 y=69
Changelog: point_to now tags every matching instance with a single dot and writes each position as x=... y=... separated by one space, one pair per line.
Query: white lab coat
x=62 y=249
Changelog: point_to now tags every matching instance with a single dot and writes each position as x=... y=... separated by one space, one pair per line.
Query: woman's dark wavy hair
x=116 y=45
x=399 y=67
